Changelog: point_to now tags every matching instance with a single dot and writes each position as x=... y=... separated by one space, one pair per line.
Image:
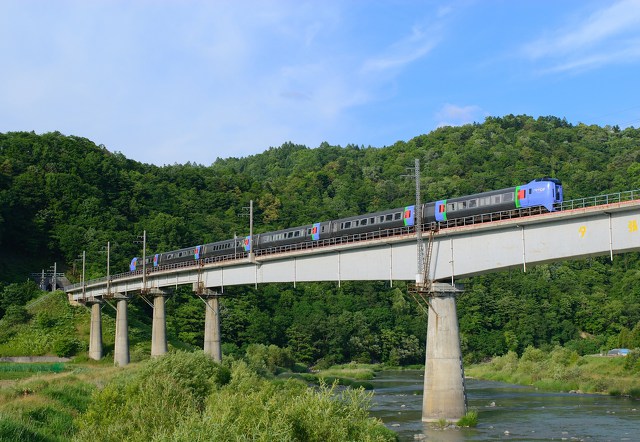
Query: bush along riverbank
x=564 y=370
x=182 y=397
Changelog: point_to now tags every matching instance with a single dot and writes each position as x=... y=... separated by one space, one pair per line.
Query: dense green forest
x=62 y=195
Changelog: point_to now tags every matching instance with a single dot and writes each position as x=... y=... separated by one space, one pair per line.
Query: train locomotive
x=539 y=193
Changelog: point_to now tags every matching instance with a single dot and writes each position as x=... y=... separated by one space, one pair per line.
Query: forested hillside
x=60 y=195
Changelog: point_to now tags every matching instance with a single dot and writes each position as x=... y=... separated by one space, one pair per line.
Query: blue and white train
x=539 y=193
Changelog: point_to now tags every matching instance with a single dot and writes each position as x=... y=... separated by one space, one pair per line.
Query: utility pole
x=108 y=262
x=250 y=208
x=144 y=259
x=250 y=228
x=55 y=273
x=83 y=267
x=108 y=252
x=414 y=172
x=421 y=270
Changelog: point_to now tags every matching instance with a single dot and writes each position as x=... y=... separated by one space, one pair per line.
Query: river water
x=507 y=412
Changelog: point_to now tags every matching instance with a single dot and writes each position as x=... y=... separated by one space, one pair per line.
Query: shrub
x=195 y=372
x=287 y=411
x=533 y=354
x=469 y=420
x=15 y=315
x=564 y=356
x=66 y=346
x=46 y=320
x=632 y=361
x=507 y=363
x=149 y=403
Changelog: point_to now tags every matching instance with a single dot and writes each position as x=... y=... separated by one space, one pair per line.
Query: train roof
x=553 y=180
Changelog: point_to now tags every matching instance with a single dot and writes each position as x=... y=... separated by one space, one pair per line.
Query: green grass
x=469 y=420
x=44 y=407
x=11 y=367
x=14 y=371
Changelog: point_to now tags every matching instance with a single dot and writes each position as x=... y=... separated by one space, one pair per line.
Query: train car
x=181 y=255
x=387 y=219
x=544 y=192
x=150 y=261
x=227 y=247
x=292 y=235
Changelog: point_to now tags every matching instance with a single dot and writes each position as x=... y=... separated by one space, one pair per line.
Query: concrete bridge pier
x=121 y=350
x=444 y=394
x=159 y=326
x=95 y=334
x=212 y=343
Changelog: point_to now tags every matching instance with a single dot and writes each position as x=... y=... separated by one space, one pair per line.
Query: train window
x=507 y=197
x=363 y=222
x=296 y=233
x=451 y=206
x=372 y=220
x=346 y=225
x=356 y=223
x=473 y=203
x=323 y=229
x=389 y=217
x=529 y=191
x=463 y=204
x=397 y=215
x=496 y=199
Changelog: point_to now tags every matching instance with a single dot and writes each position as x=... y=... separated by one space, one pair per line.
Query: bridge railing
x=600 y=200
x=578 y=203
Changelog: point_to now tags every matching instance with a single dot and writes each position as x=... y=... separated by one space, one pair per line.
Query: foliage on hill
x=47 y=325
x=60 y=195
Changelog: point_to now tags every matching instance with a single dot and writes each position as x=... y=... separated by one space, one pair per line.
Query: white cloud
x=607 y=35
x=411 y=48
x=452 y=115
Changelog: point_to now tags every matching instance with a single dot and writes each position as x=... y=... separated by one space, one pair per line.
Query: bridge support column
x=444 y=394
x=121 y=350
x=159 y=325
x=95 y=334
x=212 y=344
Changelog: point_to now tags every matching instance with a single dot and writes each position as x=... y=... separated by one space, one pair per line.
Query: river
x=507 y=412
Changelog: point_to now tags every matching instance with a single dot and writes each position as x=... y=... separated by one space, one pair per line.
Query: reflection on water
x=507 y=412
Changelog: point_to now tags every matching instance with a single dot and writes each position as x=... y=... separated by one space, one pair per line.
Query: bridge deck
x=459 y=251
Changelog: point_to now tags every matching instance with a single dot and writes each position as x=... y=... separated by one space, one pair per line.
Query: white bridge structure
x=603 y=225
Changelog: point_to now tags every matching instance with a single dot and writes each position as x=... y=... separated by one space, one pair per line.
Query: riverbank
x=563 y=370
x=560 y=370
x=193 y=398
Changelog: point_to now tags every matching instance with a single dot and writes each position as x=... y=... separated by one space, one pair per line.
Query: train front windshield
x=559 y=195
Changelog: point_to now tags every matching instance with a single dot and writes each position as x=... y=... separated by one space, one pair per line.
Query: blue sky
x=169 y=81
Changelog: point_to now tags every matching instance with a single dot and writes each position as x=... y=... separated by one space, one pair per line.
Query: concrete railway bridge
x=603 y=225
